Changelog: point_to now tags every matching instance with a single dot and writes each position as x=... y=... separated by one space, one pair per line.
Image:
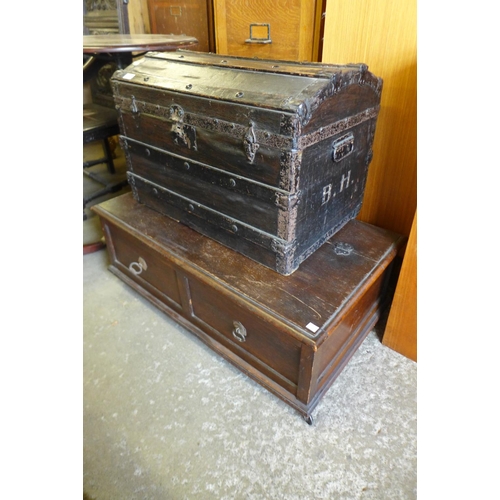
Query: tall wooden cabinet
x=383 y=35
x=184 y=17
x=269 y=29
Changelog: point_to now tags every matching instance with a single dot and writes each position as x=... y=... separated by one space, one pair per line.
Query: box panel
x=249 y=202
x=143 y=264
x=246 y=331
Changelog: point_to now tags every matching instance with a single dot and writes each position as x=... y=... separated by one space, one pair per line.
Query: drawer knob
x=137 y=267
x=239 y=331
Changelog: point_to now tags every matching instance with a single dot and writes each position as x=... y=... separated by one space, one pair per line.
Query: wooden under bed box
x=292 y=334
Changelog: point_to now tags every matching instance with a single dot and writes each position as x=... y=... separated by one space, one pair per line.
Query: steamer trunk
x=269 y=158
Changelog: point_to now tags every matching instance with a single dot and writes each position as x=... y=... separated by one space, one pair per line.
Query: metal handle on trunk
x=253 y=39
x=342 y=147
x=139 y=266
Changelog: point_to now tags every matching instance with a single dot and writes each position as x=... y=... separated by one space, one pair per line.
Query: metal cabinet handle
x=239 y=331
x=137 y=267
x=253 y=39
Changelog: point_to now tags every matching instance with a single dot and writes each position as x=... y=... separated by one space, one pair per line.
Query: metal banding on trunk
x=213 y=124
x=233 y=129
x=336 y=128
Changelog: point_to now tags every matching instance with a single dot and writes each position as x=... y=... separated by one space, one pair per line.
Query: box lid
x=281 y=85
x=311 y=300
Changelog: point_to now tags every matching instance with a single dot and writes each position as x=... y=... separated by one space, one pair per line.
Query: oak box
x=292 y=334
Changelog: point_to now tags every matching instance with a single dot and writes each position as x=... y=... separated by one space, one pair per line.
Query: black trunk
x=267 y=157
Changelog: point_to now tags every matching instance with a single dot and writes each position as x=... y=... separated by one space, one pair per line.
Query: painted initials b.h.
x=327 y=193
x=345 y=180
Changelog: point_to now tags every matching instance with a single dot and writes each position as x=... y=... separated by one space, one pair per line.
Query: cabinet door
x=268 y=29
x=184 y=17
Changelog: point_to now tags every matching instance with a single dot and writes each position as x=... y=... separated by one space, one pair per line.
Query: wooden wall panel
x=383 y=35
x=401 y=329
x=138 y=17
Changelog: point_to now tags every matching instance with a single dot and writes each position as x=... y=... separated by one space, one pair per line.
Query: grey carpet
x=165 y=418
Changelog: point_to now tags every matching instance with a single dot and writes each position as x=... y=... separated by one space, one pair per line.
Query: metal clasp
x=133 y=107
x=184 y=134
x=250 y=144
x=341 y=248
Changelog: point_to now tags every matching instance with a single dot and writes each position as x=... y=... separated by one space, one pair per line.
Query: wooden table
x=119 y=48
x=95 y=44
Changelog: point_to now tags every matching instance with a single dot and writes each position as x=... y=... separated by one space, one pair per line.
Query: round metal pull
x=137 y=267
x=239 y=331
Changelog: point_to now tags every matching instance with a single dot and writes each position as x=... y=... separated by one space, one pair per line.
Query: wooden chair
x=99 y=124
